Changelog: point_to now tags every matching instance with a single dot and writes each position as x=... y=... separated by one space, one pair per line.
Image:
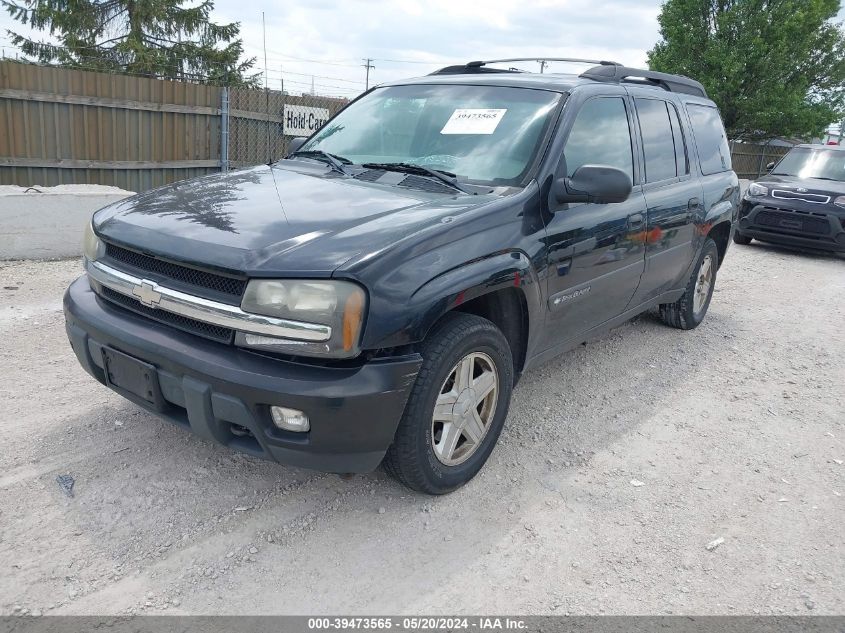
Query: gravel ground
x=653 y=471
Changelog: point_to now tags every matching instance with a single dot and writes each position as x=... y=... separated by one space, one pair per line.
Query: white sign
x=303 y=120
x=473 y=121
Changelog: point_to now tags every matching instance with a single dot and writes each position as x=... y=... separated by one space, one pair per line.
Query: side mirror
x=594 y=183
x=770 y=166
x=295 y=143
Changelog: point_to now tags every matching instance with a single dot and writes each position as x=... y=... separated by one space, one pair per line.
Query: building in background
x=835 y=134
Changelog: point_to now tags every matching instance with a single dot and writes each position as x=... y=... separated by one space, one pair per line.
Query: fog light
x=290 y=419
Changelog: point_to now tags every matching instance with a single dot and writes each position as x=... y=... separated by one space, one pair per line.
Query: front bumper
x=223 y=393
x=797 y=224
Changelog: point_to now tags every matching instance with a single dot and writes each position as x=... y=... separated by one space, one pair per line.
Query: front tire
x=688 y=312
x=457 y=407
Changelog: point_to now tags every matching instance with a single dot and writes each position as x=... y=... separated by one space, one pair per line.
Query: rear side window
x=714 y=154
x=600 y=135
x=658 y=144
x=681 y=160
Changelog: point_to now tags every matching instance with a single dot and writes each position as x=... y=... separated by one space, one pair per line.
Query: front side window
x=714 y=154
x=483 y=134
x=600 y=135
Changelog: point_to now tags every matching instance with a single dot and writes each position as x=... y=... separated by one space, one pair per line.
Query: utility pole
x=266 y=89
x=842 y=131
x=368 y=63
x=543 y=63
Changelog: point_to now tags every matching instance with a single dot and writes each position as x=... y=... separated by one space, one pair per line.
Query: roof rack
x=480 y=66
x=619 y=74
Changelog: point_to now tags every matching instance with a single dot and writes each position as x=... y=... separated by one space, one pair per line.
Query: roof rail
x=479 y=66
x=619 y=74
x=469 y=69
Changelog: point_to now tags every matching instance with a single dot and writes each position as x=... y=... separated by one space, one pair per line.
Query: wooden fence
x=61 y=126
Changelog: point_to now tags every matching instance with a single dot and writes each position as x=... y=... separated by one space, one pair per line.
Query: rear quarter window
x=714 y=154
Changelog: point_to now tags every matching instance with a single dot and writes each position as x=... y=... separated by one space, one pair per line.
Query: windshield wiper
x=337 y=162
x=445 y=177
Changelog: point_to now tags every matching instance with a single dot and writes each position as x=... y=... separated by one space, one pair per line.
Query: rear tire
x=688 y=312
x=739 y=238
x=467 y=374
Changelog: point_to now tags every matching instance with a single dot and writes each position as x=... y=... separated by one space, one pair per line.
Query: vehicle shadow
x=794 y=250
x=148 y=492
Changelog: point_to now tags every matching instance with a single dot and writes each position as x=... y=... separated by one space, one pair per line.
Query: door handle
x=693 y=205
x=636 y=220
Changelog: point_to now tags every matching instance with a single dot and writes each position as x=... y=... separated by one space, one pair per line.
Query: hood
x=812 y=185
x=276 y=220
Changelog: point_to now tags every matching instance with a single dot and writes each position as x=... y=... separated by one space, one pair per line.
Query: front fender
x=452 y=288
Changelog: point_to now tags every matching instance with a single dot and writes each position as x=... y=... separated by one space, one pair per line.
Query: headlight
x=92 y=247
x=840 y=202
x=341 y=305
x=757 y=190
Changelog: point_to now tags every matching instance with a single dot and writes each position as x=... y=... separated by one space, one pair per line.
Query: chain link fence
x=258 y=125
x=749 y=160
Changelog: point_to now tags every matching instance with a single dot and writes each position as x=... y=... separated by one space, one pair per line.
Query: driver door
x=596 y=252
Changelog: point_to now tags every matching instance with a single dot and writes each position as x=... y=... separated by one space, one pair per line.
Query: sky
x=329 y=39
x=408 y=38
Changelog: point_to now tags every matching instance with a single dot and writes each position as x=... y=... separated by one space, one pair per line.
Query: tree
x=774 y=67
x=158 y=38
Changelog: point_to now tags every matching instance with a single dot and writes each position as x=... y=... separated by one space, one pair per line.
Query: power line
x=414 y=61
x=290 y=72
x=312 y=61
x=317 y=85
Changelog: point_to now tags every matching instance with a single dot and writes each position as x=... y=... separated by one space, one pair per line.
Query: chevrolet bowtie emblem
x=147 y=293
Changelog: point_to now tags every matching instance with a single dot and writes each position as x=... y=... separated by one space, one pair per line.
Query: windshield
x=806 y=162
x=484 y=134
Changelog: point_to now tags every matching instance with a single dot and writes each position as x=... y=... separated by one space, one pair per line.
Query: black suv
x=801 y=202
x=374 y=296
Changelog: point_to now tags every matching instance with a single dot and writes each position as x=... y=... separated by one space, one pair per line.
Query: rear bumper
x=223 y=393
x=796 y=227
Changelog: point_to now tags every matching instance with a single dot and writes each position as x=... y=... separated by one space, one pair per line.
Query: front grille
x=795 y=195
x=794 y=222
x=206 y=330
x=190 y=276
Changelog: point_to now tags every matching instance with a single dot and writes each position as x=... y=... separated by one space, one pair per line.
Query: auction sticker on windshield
x=473 y=121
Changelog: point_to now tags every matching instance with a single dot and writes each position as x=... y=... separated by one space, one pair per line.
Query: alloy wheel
x=464 y=409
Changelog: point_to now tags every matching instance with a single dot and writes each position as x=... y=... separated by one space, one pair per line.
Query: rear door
x=594 y=266
x=672 y=194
